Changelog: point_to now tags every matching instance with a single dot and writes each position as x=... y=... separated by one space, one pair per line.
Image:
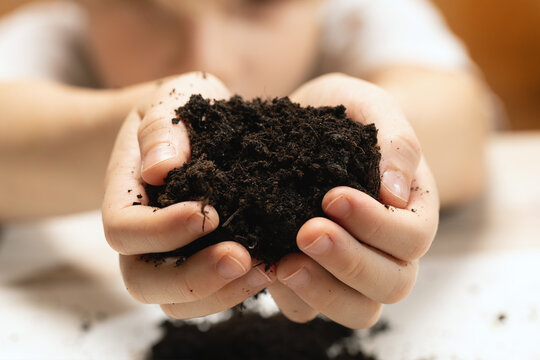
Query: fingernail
x=230 y=268
x=159 y=153
x=319 y=246
x=257 y=278
x=298 y=279
x=394 y=182
x=195 y=223
x=339 y=207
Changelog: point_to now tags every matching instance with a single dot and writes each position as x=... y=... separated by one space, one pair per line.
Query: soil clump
x=266 y=166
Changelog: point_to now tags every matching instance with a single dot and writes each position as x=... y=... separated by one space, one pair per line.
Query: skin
x=366 y=255
x=260 y=48
x=348 y=281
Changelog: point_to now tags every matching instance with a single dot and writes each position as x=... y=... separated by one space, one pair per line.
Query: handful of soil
x=266 y=166
x=251 y=337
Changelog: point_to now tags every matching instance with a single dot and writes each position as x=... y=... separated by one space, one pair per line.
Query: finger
x=400 y=148
x=405 y=234
x=142 y=229
x=199 y=276
x=326 y=294
x=132 y=229
x=225 y=298
x=290 y=305
x=367 y=103
x=164 y=145
x=361 y=267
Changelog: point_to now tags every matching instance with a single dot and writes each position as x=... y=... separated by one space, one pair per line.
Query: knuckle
x=354 y=270
x=369 y=317
x=223 y=301
x=134 y=289
x=138 y=295
x=154 y=122
x=407 y=145
x=172 y=310
x=375 y=233
x=373 y=316
x=185 y=290
x=330 y=301
x=418 y=248
x=404 y=284
x=115 y=234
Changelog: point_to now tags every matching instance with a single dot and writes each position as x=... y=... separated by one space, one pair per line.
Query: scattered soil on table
x=250 y=337
x=266 y=166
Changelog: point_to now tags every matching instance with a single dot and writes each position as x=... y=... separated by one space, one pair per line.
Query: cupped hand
x=367 y=254
x=148 y=146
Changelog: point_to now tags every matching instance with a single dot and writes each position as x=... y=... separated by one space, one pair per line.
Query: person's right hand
x=147 y=148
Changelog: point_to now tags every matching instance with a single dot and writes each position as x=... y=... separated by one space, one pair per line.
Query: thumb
x=163 y=144
x=400 y=148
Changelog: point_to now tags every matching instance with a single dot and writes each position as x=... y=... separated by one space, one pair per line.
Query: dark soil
x=380 y=327
x=266 y=166
x=251 y=337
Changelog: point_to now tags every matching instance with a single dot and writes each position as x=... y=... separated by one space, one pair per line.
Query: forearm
x=449 y=112
x=55 y=142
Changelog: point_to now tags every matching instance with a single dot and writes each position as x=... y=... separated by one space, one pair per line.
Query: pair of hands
x=365 y=256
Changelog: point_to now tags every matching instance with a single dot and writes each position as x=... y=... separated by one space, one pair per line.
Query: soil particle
x=266 y=166
x=86 y=325
x=251 y=337
x=380 y=327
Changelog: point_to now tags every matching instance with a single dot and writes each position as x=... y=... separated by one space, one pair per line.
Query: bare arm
x=55 y=141
x=449 y=112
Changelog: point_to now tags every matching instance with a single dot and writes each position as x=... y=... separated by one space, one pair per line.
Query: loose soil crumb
x=380 y=327
x=266 y=166
x=251 y=337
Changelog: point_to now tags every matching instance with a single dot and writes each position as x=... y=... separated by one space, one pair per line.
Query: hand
x=147 y=148
x=367 y=255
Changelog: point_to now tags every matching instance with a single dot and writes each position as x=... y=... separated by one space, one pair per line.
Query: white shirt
x=361 y=36
x=47 y=41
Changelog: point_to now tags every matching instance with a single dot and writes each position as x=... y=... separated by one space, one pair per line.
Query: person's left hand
x=367 y=255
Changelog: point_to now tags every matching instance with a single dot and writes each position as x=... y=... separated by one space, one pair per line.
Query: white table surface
x=61 y=295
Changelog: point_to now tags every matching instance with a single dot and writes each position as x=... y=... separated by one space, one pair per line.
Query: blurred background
x=503 y=38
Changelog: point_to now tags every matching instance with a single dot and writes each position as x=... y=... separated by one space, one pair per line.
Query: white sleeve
x=361 y=36
x=44 y=41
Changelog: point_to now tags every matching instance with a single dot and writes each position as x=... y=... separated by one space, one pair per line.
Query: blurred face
x=257 y=47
